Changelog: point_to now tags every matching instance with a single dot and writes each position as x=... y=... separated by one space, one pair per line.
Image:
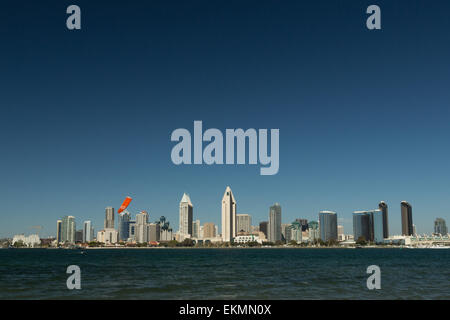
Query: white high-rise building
x=243 y=223
x=228 y=216
x=109 y=218
x=88 y=232
x=68 y=229
x=186 y=217
x=141 y=229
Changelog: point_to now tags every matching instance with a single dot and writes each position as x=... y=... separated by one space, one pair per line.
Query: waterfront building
x=109 y=218
x=286 y=233
x=407 y=221
x=296 y=231
x=132 y=231
x=361 y=225
x=124 y=225
x=440 y=227
x=228 y=216
x=377 y=226
x=384 y=209
x=341 y=236
x=141 y=231
x=154 y=232
x=68 y=229
x=243 y=223
x=165 y=231
x=274 y=227
x=30 y=241
x=209 y=230
x=88 y=231
x=328 y=225
x=263 y=227
x=58 y=231
x=247 y=238
x=303 y=223
x=108 y=236
x=79 y=236
x=186 y=217
x=196 y=229
x=313 y=231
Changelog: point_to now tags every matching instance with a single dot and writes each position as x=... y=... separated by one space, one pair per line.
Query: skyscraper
x=58 y=230
x=196 y=229
x=263 y=226
x=228 y=216
x=407 y=221
x=88 y=231
x=361 y=225
x=384 y=209
x=186 y=216
x=377 y=226
x=68 y=229
x=440 y=226
x=141 y=229
x=209 y=230
x=243 y=222
x=328 y=225
x=286 y=232
x=109 y=218
x=124 y=225
x=274 y=223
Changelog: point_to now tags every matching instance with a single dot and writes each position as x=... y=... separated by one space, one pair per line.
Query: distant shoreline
x=227 y=248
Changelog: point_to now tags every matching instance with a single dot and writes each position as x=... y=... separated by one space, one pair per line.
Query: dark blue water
x=225 y=273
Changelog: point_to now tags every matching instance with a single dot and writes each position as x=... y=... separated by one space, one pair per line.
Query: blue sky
x=87 y=115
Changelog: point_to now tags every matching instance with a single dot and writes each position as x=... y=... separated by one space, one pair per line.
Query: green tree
x=361 y=241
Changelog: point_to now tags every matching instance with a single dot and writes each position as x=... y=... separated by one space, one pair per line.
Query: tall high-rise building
x=243 y=222
x=186 y=216
x=369 y=225
x=209 y=230
x=384 y=209
x=79 y=236
x=407 y=221
x=196 y=229
x=228 y=216
x=58 y=230
x=313 y=231
x=109 y=218
x=68 y=229
x=124 y=225
x=141 y=229
x=263 y=227
x=328 y=225
x=361 y=225
x=274 y=223
x=88 y=231
x=296 y=231
x=440 y=226
x=340 y=230
x=286 y=232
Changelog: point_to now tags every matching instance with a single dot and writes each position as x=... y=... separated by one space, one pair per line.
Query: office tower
x=243 y=223
x=263 y=227
x=361 y=225
x=377 y=226
x=286 y=233
x=196 y=229
x=407 y=221
x=186 y=216
x=141 y=232
x=78 y=236
x=274 y=227
x=296 y=231
x=384 y=209
x=440 y=226
x=228 y=216
x=303 y=223
x=109 y=218
x=132 y=231
x=58 y=230
x=328 y=225
x=124 y=225
x=313 y=231
x=340 y=230
x=209 y=230
x=88 y=231
x=154 y=232
x=68 y=229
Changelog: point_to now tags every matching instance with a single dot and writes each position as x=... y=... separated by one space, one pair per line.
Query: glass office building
x=328 y=225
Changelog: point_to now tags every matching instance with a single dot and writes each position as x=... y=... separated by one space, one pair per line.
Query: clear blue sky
x=87 y=115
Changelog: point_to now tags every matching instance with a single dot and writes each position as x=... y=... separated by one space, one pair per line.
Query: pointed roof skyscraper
x=228 y=216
